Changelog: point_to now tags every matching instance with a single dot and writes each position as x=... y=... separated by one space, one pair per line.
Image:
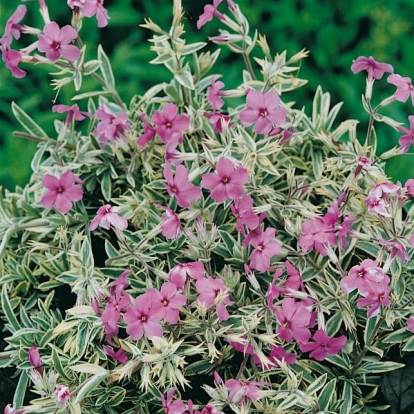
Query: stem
x=39 y=139
x=112 y=91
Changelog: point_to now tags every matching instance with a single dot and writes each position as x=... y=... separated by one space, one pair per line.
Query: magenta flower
x=265 y=247
x=278 y=353
x=34 y=357
x=170 y=223
x=239 y=390
x=363 y=277
x=226 y=182
x=178 y=274
x=111 y=127
x=408 y=139
x=316 y=234
x=171 y=300
x=243 y=210
x=179 y=187
x=168 y=122
x=149 y=131
x=170 y=406
x=106 y=217
x=214 y=94
x=95 y=7
x=213 y=292
x=142 y=318
x=13 y=28
x=263 y=110
x=61 y=394
x=405 y=87
x=377 y=295
x=119 y=355
x=209 y=12
x=294 y=319
x=73 y=113
x=55 y=42
x=323 y=345
x=375 y=69
x=410 y=324
x=63 y=191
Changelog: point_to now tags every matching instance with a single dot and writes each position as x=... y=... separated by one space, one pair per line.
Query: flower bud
x=61 y=394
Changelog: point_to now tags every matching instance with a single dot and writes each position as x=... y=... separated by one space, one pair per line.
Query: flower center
x=260 y=247
x=361 y=273
x=60 y=190
x=165 y=302
x=411 y=86
x=174 y=189
x=168 y=124
x=286 y=324
x=143 y=318
x=56 y=45
x=263 y=113
x=225 y=180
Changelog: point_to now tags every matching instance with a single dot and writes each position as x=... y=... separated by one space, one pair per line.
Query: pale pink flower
x=76 y=3
x=323 y=345
x=405 y=87
x=263 y=110
x=170 y=223
x=378 y=198
x=178 y=186
x=73 y=113
x=409 y=186
x=149 y=131
x=108 y=216
x=209 y=12
x=294 y=319
x=226 y=182
x=95 y=7
x=377 y=295
x=171 y=300
x=63 y=191
x=111 y=127
x=213 y=292
x=240 y=389
x=143 y=317
x=214 y=94
x=410 y=324
x=408 y=139
x=119 y=355
x=170 y=406
x=178 y=274
x=168 y=122
x=265 y=247
x=316 y=234
x=13 y=28
x=56 y=42
x=376 y=205
x=362 y=163
x=397 y=249
x=375 y=69
x=243 y=210
x=61 y=394
x=362 y=277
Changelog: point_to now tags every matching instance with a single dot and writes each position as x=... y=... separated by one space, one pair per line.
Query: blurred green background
x=336 y=32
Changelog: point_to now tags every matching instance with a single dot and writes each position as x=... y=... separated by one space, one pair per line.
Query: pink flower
x=171 y=154
x=375 y=69
x=412 y=241
x=278 y=353
x=171 y=300
x=253 y=233
x=213 y=292
x=317 y=234
x=226 y=182
x=13 y=28
x=12 y=58
x=397 y=249
x=179 y=187
x=149 y=131
x=95 y=7
x=377 y=295
x=106 y=217
x=214 y=94
x=55 y=42
x=119 y=355
x=170 y=406
x=239 y=390
x=410 y=324
x=323 y=345
x=408 y=139
x=409 y=185
x=294 y=319
x=34 y=357
x=143 y=317
x=217 y=119
x=61 y=394
x=243 y=210
x=377 y=199
x=170 y=223
x=210 y=11
x=168 y=122
x=405 y=87
x=8 y=409
x=265 y=247
x=111 y=127
x=263 y=110
x=363 y=277
x=73 y=112
x=178 y=274
x=63 y=191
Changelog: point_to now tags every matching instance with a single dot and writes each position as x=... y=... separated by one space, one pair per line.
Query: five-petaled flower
x=56 y=42
x=63 y=191
x=210 y=11
x=95 y=7
x=405 y=87
x=375 y=69
x=169 y=122
x=265 y=247
x=263 y=110
x=61 y=394
x=243 y=211
x=108 y=216
x=214 y=94
x=226 y=182
x=408 y=139
x=240 y=389
x=170 y=406
x=323 y=345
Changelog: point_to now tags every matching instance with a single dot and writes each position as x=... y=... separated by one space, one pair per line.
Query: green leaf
x=8 y=310
x=378 y=366
x=27 y=122
x=192 y=47
x=106 y=186
x=106 y=69
x=20 y=392
x=327 y=395
x=89 y=386
x=397 y=336
x=347 y=397
x=87 y=255
x=409 y=346
x=317 y=384
x=185 y=78
x=371 y=323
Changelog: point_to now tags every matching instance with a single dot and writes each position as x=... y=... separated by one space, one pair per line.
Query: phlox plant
x=203 y=249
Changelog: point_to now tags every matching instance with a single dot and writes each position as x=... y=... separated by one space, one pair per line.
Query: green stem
x=39 y=139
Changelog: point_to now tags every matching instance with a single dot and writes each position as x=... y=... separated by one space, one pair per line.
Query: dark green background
x=334 y=31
